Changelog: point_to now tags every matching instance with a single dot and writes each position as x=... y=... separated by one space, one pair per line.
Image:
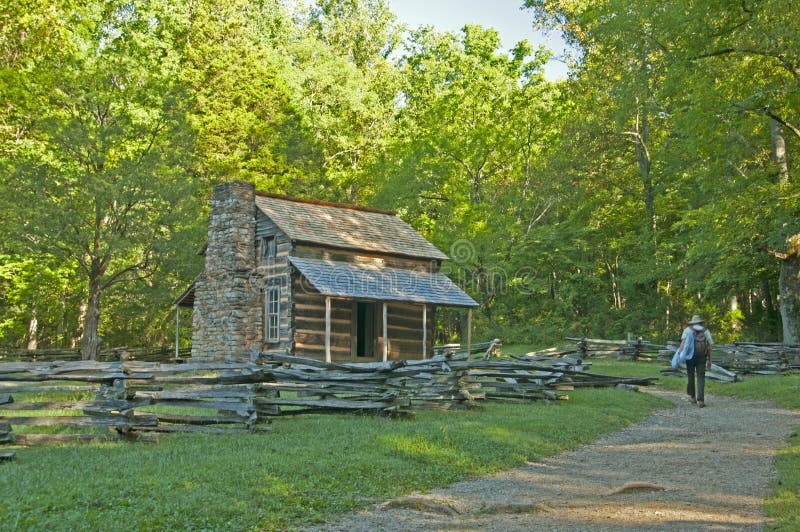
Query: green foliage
x=472 y=125
x=38 y=290
x=284 y=479
x=642 y=190
x=675 y=108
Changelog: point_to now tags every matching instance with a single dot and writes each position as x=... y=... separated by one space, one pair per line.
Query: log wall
x=364 y=258
x=275 y=272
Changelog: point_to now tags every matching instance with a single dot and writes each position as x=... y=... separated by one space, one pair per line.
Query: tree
x=463 y=166
x=709 y=91
x=345 y=86
x=236 y=70
x=102 y=182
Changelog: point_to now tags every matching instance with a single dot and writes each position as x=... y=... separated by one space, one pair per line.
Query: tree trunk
x=90 y=343
x=790 y=291
x=33 y=330
x=644 y=163
x=779 y=150
x=77 y=334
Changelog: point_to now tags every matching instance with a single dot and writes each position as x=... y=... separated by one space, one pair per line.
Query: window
x=267 y=249
x=272 y=311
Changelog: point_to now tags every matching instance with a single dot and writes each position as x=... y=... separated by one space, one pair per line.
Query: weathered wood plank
x=81 y=421
x=85 y=377
x=227 y=379
x=332 y=403
x=47 y=389
x=53 y=368
x=168 y=369
x=110 y=405
x=39 y=439
x=205 y=429
x=361 y=257
x=202 y=420
x=199 y=392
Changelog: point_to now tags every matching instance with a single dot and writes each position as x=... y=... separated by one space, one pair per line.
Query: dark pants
x=697 y=364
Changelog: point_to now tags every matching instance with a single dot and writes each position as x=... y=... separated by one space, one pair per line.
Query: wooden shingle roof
x=346 y=227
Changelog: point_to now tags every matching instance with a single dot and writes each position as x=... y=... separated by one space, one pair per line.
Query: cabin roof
x=341 y=279
x=345 y=226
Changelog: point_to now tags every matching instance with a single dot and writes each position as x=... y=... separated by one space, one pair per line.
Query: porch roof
x=354 y=281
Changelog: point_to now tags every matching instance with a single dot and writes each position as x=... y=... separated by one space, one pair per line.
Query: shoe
x=691 y=400
x=701 y=404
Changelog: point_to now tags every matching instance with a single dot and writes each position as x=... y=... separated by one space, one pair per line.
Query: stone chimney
x=226 y=318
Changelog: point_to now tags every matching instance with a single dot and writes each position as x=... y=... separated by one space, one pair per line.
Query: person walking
x=695 y=349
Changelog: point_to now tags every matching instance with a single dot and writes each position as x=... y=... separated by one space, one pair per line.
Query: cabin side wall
x=363 y=258
x=274 y=272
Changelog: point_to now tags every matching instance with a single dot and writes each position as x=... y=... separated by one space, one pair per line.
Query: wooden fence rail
x=144 y=354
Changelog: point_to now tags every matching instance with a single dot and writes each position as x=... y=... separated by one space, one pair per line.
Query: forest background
x=654 y=183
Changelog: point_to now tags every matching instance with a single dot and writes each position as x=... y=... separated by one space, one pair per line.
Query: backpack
x=700 y=342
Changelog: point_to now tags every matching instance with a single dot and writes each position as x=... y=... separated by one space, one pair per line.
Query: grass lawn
x=305 y=470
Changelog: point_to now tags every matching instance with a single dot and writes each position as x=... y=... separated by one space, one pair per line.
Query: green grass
x=306 y=470
x=782 y=506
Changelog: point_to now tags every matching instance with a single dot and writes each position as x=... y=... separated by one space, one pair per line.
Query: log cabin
x=329 y=281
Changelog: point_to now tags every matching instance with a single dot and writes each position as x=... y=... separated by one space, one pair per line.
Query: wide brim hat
x=696 y=320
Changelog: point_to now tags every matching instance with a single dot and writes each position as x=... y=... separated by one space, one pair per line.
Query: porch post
x=327 y=328
x=177 y=330
x=469 y=331
x=424 y=331
x=385 y=334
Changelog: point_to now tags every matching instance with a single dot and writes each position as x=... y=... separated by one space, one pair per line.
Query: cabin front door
x=365 y=326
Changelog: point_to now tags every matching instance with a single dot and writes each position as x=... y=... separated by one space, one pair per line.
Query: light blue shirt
x=686 y=350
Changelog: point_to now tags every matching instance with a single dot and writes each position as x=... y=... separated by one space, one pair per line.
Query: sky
x=505 y=16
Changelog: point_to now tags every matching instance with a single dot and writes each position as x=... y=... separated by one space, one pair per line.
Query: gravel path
x=714 y=465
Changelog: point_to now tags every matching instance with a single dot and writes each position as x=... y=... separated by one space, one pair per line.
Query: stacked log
x=716 y=373
x=748 y=358
x=444 y=381
x=487 y=349
x=632 y=348
x=381 y=387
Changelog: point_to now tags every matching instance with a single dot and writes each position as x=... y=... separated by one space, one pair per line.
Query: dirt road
x=701 y=469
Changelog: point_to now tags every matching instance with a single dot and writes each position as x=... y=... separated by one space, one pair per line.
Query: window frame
x=272 y=316
x=267 y=249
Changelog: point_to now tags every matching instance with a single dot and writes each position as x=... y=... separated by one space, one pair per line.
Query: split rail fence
x=142 y=354
x=731 y=361
x=137 y=401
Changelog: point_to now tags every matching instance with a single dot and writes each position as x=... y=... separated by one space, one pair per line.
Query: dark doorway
x=365 y=330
